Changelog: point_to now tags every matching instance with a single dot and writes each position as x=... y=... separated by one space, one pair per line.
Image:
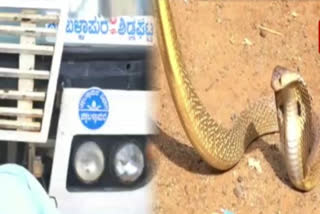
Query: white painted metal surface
x=10 y=17
x=33 y=4
x=26 y=74
x=129 y=113
x=28 y=130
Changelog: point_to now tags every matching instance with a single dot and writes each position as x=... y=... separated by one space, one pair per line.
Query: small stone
x=247 y=42
x=263 y=33
x=294 y=14
x=255 y=164
x=238 y=191
x=240 y=179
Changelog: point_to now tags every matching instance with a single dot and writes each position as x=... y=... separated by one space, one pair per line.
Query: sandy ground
x=227 y=74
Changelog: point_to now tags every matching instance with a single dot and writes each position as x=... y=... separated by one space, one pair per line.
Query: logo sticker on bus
x=93 y=108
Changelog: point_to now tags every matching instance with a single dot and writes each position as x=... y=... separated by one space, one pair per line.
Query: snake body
x=222 y=148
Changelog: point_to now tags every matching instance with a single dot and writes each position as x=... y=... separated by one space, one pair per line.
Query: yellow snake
x=223 y=148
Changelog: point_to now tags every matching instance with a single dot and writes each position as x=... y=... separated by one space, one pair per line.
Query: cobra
x=298 y=126
x=222 y=148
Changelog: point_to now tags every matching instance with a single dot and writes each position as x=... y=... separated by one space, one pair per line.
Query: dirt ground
x=230 y=62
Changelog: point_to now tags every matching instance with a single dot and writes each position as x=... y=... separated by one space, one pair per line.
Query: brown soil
x=227 y=74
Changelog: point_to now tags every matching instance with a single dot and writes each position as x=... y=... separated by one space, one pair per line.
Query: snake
x=298 y=128
x=221 y=147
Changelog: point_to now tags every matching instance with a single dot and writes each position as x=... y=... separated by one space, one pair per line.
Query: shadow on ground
x=186 y=157
x=182 y=155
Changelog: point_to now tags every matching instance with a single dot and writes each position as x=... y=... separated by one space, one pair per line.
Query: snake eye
x=299 y=108
x=280 y=81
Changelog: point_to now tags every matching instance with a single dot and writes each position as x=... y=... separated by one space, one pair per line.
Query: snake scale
x=223 y=148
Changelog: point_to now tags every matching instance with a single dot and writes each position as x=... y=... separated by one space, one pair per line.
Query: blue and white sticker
x=93 y=108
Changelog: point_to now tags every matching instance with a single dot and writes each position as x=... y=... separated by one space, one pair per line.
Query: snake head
x=282 y=77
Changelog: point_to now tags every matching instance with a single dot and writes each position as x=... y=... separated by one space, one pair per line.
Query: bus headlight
x=128 y=163
x=89 y=162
